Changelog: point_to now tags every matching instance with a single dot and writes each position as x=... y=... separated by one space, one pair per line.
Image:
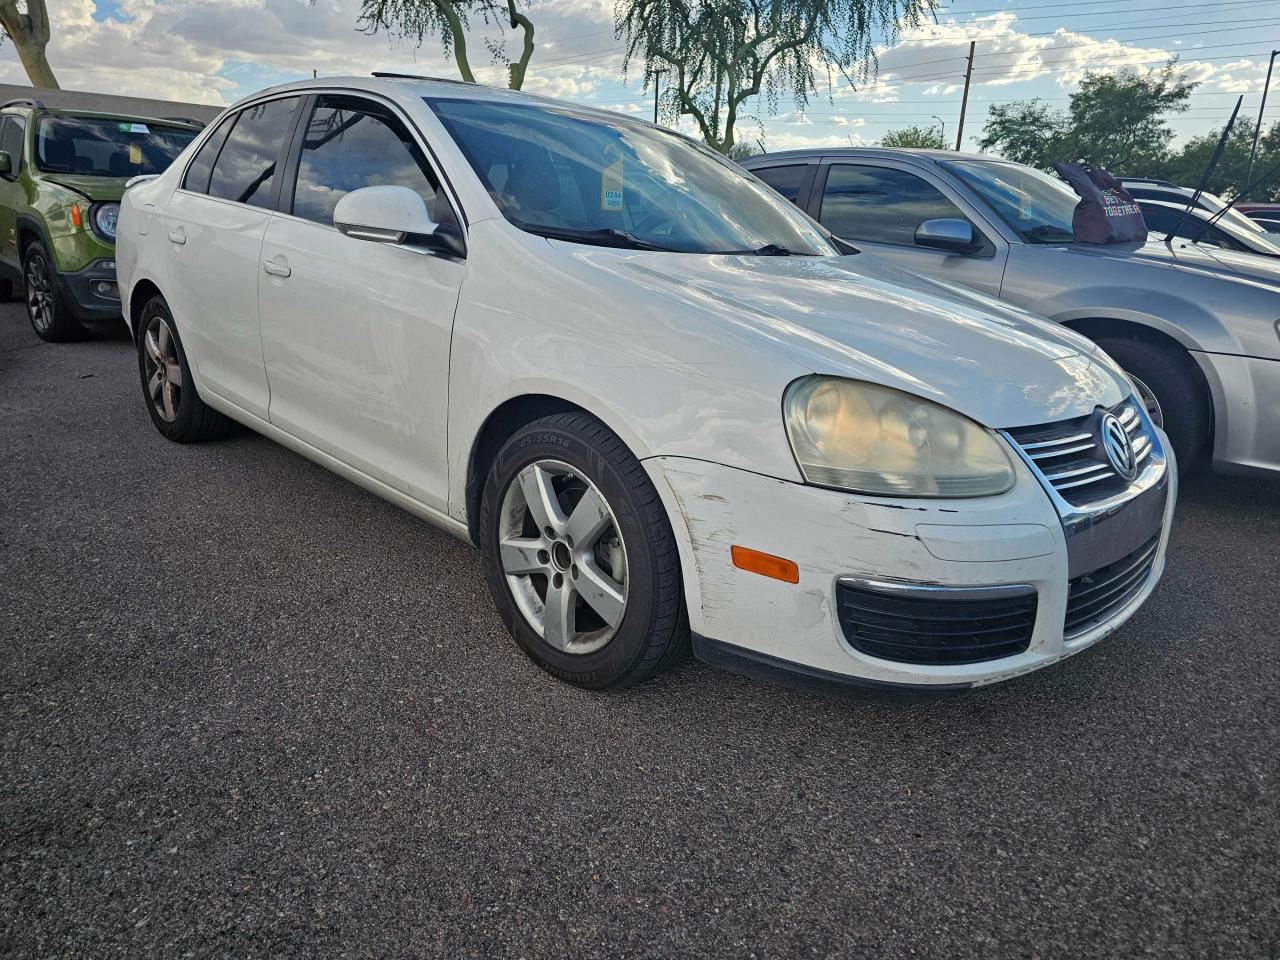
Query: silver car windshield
x=581 y=177
x=1036 y=206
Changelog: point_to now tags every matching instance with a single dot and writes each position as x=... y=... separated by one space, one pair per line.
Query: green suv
x=62 y=173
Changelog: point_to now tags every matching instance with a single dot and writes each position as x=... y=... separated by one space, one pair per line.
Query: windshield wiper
x=768 y=250
x=604 y=237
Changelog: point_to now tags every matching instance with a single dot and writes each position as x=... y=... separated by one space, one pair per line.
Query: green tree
x=450 y=20
x=928 y=138
x=1115 y=120
x=29 y=30
x=715 y=56
x=1186 y=166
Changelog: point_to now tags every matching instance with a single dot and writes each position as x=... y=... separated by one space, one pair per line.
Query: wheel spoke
x=559 y=621
x=153 y=348
x=600 y=592
x=162 y=339
x=541 y=498
x=520 y=555
x=172 y=372
x=153 y=385
x=170 y=400
x=588 y=520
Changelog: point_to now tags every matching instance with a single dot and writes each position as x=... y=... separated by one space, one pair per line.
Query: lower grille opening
x=1093 y=598
x=934 y=628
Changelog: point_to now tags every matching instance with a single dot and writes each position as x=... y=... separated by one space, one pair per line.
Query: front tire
x=47 y=308
x=172 y=399
x=580 y=557
x=1170 y=376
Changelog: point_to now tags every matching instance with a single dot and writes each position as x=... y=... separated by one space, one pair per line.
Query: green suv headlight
x=870 y=439
x=104 y=218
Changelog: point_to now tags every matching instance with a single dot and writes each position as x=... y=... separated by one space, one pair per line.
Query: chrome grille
x=1070 y=456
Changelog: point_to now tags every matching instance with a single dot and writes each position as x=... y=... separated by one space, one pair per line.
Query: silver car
x=1196 y=327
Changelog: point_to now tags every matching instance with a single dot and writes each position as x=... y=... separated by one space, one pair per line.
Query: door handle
x=277 y=267
x=178 y=235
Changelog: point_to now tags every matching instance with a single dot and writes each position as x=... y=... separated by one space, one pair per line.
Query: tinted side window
x=11 y=141
x=786 y=180
x=197 y=178
x=881 y=205
x=1161 y=220
x=352 y=143
x=245 y=170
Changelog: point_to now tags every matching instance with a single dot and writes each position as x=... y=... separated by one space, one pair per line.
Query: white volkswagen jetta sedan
x=660 y=400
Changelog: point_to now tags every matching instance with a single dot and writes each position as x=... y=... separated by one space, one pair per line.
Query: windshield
x=592 y=179
x=1037 y=206
x=103 y=147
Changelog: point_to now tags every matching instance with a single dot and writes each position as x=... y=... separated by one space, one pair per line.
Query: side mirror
x=6 y=164
x=395 y=215
x=954 y=236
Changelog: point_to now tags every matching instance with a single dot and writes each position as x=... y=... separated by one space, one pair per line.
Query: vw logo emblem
x=1115 y=440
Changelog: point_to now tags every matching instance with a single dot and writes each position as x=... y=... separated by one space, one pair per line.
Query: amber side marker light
x=765 y=564
x=76 y=219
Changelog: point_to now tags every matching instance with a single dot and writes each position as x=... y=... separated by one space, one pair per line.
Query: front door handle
x=178 y=235
x=277 y=266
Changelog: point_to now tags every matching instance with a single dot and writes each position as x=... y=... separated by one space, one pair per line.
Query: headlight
x=104 y=220
x=869 y=439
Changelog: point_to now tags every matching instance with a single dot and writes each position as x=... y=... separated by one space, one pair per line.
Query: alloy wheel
x=563 y=556
x=39 y=285
x=163 y=372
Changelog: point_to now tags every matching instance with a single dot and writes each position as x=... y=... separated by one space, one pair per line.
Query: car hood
x=859 y=317
x=100 y=189
x=1198 y=258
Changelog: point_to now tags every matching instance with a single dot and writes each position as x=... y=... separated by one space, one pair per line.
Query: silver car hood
x=1199 y=258
x=860 y=317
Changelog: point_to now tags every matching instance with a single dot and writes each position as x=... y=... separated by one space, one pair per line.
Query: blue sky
x=200 y=51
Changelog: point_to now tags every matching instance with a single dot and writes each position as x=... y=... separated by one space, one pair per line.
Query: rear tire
x=1184 y=404
x=607 y=610
x=167 y=386
x=47 y=308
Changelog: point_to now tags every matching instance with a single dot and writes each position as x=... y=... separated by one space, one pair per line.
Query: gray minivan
x=1196 y=327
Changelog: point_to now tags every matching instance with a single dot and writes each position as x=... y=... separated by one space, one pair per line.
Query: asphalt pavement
x=249 y=710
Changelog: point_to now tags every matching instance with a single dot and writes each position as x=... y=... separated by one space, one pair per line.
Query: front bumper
x=92 y=293
x=746 y=619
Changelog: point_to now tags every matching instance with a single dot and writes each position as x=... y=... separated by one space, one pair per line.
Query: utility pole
x=657 y=83
x=968 y=75
x=1253 y=152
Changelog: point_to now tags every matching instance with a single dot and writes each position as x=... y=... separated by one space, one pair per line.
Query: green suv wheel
x=47 y=309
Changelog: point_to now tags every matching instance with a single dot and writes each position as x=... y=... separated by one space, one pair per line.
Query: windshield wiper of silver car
x=604 y=237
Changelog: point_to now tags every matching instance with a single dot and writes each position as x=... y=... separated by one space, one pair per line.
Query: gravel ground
x=248 y=710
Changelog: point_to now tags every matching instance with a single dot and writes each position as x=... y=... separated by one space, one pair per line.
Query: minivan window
x=881 y=204
x=245 y=170
x=108 y=147
x=11 y=141
x=201 y=167
x=786 y=180
x=352 y=143
x=589 y=178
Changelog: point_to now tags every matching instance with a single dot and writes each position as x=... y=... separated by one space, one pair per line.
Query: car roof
x=410 y=86
x=1178 y=207
x=915 y=155
x=26 y=107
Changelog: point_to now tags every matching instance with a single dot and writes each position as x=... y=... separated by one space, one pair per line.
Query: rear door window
x=881 y=204
x=787 y=180
x=197 y=177
x=246 y=169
